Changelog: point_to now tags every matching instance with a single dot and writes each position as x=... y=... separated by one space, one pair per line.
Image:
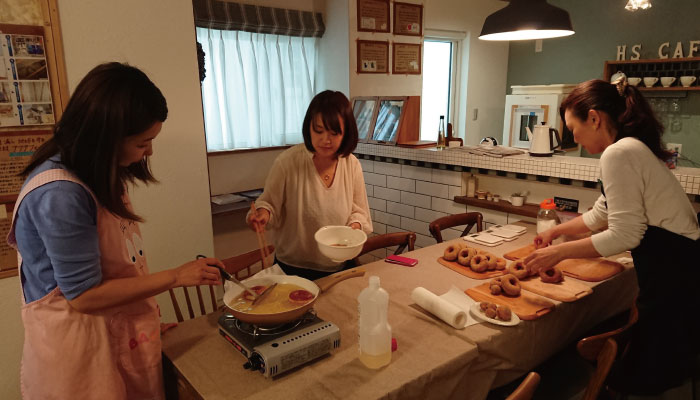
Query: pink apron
x=111 y=354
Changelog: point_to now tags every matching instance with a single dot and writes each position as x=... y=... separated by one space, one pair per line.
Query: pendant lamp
x=525 y=20
x=634 y=5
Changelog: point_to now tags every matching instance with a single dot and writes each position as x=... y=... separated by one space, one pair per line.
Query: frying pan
x=320 y=285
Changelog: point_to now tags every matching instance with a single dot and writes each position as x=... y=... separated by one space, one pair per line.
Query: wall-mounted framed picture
x=373 y=16
x=388 y=120
x=372 y=57
x=365 y=111
x=406 y=58
x=408 y=19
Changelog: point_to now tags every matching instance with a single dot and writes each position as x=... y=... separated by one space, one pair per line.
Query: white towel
x=452 y=307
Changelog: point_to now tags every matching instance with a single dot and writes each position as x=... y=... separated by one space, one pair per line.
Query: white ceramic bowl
x=340 y=243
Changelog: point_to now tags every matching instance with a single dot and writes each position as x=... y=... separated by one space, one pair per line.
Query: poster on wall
x=406 y=58
x=16 y=149
x=373 y=15
x=372 y=57
x=25 y=94
x=8 y=255
x=408 y=19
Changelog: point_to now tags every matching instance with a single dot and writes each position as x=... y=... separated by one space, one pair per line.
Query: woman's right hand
x=545 y=238
x=198 y=272
x=258 y=220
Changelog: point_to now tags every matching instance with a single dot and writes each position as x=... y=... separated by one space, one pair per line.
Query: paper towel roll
x=439 y=307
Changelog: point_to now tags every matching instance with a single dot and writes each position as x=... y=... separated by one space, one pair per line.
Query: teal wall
x=602 y=25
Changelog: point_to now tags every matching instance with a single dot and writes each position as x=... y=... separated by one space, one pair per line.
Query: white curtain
x=257 y=88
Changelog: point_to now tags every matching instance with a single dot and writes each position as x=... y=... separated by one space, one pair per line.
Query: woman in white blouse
x=643 y=209
x=314 y=184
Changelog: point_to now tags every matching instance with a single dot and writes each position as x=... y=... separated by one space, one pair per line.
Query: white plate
x=504 y=233
x=485 y=238
x=469 y=238
x=475 y=310
x=515 y=228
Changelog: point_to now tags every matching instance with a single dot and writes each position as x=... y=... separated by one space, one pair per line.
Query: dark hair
x=330 y=105
x=113 y=101
x=627 y=108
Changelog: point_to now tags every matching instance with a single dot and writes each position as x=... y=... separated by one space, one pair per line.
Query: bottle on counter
x=375 y=331
x=441 y=142
x=547 y=216
x=471 y=186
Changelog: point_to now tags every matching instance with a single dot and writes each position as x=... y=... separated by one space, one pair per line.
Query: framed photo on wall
x=406 y=58
x=388 y=120
x=373 y=16
x=372 y=57
x=408 y=19
x=365 y=111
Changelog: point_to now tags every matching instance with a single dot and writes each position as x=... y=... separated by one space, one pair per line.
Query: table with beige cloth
x=433 y=360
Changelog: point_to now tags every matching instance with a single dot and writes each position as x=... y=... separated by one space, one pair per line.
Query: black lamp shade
x=527 y=19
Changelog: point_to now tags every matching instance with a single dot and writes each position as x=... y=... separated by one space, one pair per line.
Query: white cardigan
x=640 y=190
x=300 y=203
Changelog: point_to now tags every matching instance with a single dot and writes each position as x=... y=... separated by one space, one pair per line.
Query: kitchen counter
x=433 y=360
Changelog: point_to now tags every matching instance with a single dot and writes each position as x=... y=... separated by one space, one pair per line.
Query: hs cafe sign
x=664 y=50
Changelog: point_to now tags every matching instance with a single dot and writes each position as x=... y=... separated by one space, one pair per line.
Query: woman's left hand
x=543 y=258
x=356 y=225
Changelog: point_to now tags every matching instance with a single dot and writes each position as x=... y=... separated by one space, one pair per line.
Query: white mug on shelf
x=634 y=81
x=650 y=81
x=517 y=200
x=667 y=81
x=686 y=81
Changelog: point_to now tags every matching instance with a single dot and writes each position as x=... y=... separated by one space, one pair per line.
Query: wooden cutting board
x=567 y=290
x=519 y=253
x=527 y=306
x=590 y=269
x=466 y=271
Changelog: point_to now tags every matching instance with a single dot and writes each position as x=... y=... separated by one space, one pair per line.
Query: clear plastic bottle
x=547 y=216
x=471 y=186
x=441 y=143
x=375 y=331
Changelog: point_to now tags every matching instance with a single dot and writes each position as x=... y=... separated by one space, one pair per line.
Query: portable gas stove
x=274 y=350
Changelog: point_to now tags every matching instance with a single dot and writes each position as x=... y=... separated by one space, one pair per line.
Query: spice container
x=547 y=217
x=489 y=196
x=496 y=198
x=481 y=194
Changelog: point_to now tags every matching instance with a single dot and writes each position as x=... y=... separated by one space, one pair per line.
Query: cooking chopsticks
x=262 y=243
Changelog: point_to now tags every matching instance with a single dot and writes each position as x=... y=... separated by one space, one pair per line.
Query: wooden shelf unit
x=660 y=67
x=526 y=210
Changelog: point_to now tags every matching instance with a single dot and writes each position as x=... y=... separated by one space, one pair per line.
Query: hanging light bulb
x=527 y=19
x=634 y=5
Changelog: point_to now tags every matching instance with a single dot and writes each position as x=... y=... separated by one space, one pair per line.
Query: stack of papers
x=496 y=235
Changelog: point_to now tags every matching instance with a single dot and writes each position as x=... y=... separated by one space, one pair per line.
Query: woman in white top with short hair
x=643 y=209
x=314 y=184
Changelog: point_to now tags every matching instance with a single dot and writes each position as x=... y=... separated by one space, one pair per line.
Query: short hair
x=112 y=102
x=330 y=104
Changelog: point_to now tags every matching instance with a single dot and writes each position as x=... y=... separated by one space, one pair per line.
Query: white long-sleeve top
x=300 y=203
x=640 y=191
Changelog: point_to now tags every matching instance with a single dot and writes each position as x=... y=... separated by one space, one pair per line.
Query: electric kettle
x=542 y=140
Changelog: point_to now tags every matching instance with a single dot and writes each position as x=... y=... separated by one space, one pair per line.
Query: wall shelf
x=660 y=67
x=526 y=210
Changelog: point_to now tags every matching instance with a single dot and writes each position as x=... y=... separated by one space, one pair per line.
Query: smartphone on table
x=405 y=261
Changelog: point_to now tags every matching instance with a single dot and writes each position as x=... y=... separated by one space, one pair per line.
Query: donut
x=465 y=256
x=518 y=269
x=491 y=259
x=495 y=289
x=451 y=252
x=503 y=313
x=510 y=285
x=500 y=264
x=479 y=263
x=551 y=275
x=490 y=312
x=484 y=305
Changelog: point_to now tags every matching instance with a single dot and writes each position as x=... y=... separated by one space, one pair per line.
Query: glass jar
x=547 y=217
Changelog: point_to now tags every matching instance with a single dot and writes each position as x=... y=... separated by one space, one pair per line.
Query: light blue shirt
x=56 y=231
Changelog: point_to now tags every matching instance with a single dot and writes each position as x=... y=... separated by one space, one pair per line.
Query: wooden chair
x=605 y=358
x=469 y=219
x=590 y=347
x=527 y=387
x=235 y=266
x=402 y=239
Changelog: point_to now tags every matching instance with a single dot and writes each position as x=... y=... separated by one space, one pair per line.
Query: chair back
x=606 y=357
x=404 y=240
x=240 y=266
x=469 y=219
x=590 y=347
x=527 y=387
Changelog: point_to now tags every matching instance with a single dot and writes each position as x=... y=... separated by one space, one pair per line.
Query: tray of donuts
x=506 y=290
x=549 y=282
x=472 y=262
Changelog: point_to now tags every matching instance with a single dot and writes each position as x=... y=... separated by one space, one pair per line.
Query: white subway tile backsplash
x=387 y=168
x=394 y=229
x=490 y=216
x=379 y=228
x=408 y=185
x=410 y=224
x=375 y=179
x=377 y=204
x=370 y=190
x=447 y=206
x=447 y=177
x=423 y=214
x=403 y=210
x=418 y=200
x=388 y=219
x=387 y=194
x=420 y=173
x=424 y=241
x=367 y=165
x=455 y=191
x=449 y=234
x=433 y=189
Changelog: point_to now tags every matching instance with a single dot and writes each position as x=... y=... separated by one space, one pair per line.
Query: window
x=257 y=87
x=437 y=85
